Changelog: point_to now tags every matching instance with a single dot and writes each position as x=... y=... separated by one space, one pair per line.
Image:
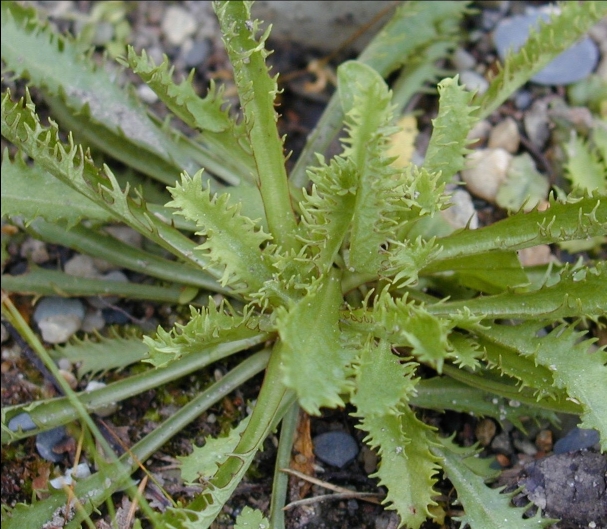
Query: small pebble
x=177 y=25
x=23 y=422
x=525 y=446
x=146 y=94
x=501 y=443
x=81 y=266
x=485 y=431
x=462 y=212
x=47 y=441
x=523 y=99
x=34 y=250
x=82 y=471
x=126 y=235
x=479 y=133
x=58 y=318
x=69 y=378
x=486 y=170
x=93 y=321
x=196 y=54
x=535 y=255
x=576 y=439
x=537 y=123
x=543 y=440
x=462 y=60
x=505 y=136
x=572 y=65
x=474 y=82
x=335 y=448
x=504 y=461
x=106 y=410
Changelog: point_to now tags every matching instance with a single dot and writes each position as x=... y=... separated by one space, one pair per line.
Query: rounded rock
x=572 y=65
x=505 y=135
x=22 y=422
x=486 y=170
x=47 y=441
x=58 y=318
x=335 y=448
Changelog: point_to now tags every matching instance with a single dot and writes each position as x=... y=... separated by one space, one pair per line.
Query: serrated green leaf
x=407 y=468
x=579 y=293
x=406 y=259
x=233 y=241
x=584 y=168
x=73 y=166
x=382 y=381
x=103 y=246
x=490 y=272
x=257 y=90
x=366 y=102
x=465 y=351
x=563 y=30
x=41 y=281
x=56 y=64
x=209 y=326
x=445 y=393
x=599 y=137
x=30 y=192
x=210 y=114
x=327 y=209
x=102 y=355
x=418 y=34
x=573 y=219
x=447 y=149
x=204 y=460
x=524 y=186
x=406 y=324
x=484 y=507
x=314 y=363
x=581 y=373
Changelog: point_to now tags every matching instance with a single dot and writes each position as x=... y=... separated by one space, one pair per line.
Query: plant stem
x=257 y=90
x=283 y=459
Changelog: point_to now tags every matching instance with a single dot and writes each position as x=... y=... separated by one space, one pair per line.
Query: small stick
x=341 y=492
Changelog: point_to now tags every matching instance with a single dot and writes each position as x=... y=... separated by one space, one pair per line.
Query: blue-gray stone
x=572 y=65
x=46 y=441
x=335 y=448
x=576 y=439
x=22 y=421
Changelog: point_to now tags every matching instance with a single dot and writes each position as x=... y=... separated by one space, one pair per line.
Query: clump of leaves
x=340 y=290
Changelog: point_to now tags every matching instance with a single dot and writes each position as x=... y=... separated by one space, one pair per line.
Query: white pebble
x=485 y=171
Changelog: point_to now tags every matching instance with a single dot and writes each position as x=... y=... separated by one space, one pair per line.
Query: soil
x=525 y=457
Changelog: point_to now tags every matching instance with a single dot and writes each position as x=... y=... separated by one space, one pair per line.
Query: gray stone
x=82 y=266
x=462 y=60
x=474 y=82
x=22 y=422
x=576 y=439
x=197 y=53
x=461 y=213
x=58 y=318
x=537 y=123
x=46 y=441
x=177 y=25
x=572 y=65
x=335 y=448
